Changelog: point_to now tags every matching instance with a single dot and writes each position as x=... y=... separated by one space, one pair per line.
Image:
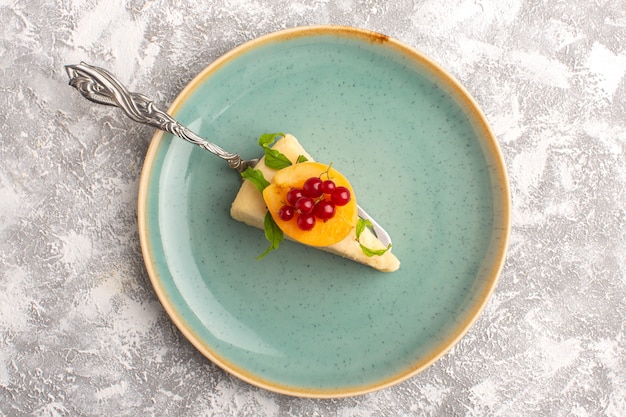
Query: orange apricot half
x=325 y=232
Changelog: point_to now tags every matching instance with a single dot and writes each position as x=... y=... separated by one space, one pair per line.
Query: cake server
x=98 y=85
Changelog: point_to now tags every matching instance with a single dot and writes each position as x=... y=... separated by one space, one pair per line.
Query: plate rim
x=468 y=104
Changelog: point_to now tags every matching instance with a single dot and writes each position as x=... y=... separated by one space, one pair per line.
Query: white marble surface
x=81 y=330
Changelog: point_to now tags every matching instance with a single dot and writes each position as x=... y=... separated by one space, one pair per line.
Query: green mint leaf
x=275 y=160
x=273 y=234
x=255 y=177
x=301 y=158
x=267 y=139
x=361 y=225
x=360 y=228
x=373 y=252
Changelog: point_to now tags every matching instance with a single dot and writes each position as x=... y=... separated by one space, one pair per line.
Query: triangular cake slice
x=250 y=208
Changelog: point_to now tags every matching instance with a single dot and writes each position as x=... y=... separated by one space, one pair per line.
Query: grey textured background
x=81 y=330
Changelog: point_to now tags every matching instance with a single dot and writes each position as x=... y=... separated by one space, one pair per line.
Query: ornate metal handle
x=99 y=86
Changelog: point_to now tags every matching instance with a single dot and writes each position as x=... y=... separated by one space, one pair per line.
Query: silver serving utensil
x=98 y=85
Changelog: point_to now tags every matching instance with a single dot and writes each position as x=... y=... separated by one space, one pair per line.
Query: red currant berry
x=306 y=221
x=312 y=187
x=324 y=209
x=341 y=196
x=305 y=205
x=286 y=213
x=328 y=186
x=294 y=195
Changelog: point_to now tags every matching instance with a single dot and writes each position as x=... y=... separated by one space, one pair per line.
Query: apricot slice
x=325 y=232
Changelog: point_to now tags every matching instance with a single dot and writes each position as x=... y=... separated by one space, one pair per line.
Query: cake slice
x=250 y=208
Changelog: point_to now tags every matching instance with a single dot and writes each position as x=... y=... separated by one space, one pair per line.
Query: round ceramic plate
x=423 y=162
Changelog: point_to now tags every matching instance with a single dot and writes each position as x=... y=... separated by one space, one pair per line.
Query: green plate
x=423 y=162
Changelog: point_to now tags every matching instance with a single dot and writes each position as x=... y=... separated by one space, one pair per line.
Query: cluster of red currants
x=317 y=199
